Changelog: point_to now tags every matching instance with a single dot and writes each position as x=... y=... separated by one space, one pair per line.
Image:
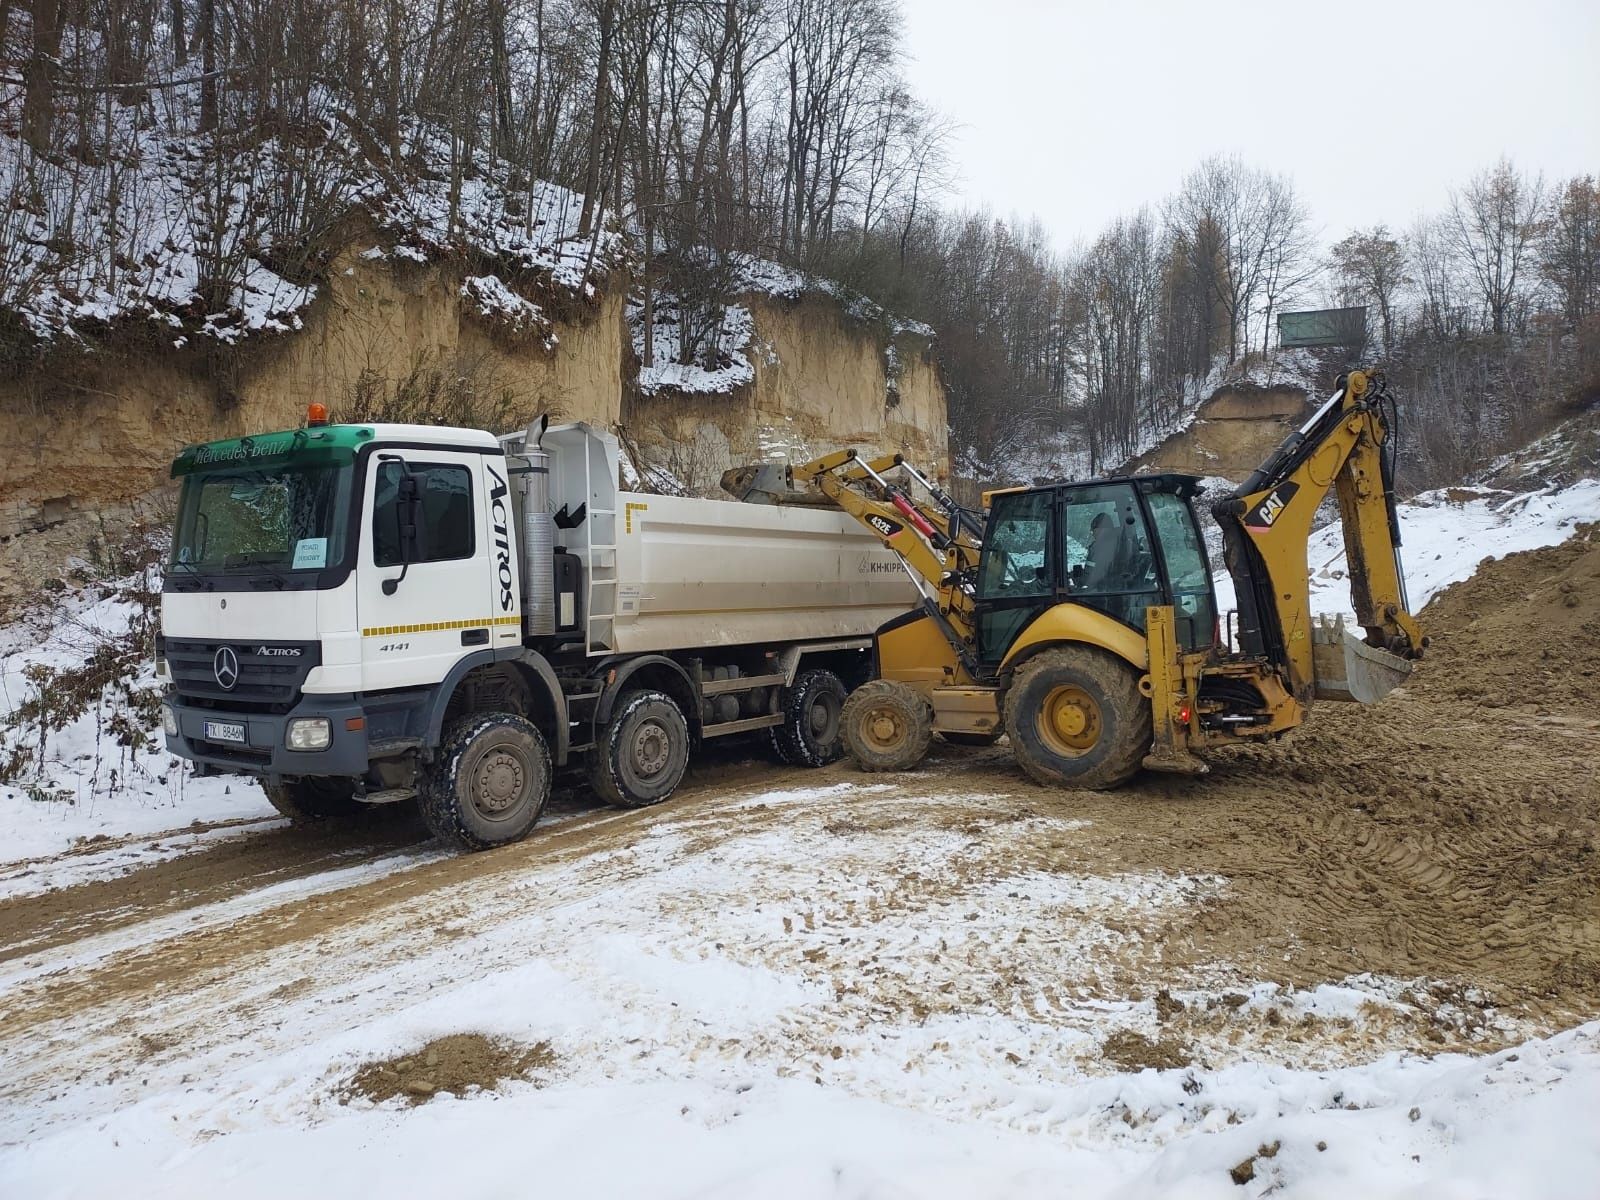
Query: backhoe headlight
x=169 y=720
x=309 y=733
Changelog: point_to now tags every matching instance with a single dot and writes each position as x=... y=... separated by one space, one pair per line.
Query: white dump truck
x=367 y=614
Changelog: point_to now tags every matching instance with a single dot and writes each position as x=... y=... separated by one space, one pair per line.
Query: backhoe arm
x=1266 y=526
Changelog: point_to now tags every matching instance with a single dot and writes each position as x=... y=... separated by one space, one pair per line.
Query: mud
x=457 y=1065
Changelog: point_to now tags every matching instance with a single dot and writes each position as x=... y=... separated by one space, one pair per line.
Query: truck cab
x=361 y=614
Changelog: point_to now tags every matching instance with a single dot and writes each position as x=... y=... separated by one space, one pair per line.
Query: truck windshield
x=262 y=520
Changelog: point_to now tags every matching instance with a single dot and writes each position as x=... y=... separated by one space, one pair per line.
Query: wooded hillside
x=191 y=165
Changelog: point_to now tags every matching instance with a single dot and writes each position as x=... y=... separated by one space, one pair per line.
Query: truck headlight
x=169 y=720
x=309 y=733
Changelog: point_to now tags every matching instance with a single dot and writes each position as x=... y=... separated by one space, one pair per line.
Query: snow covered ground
x=91 y=794
x=796 y=994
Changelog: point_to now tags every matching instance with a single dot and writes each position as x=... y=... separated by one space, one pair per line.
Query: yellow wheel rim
x=884 y=728
x=1069 y=721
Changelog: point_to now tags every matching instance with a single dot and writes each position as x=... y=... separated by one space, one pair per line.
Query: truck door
x=426 y=566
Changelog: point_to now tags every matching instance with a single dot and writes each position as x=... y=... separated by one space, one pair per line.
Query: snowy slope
x=89 y=787
x=1445 y=534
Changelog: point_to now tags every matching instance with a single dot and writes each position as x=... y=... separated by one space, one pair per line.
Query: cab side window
x=443 y=513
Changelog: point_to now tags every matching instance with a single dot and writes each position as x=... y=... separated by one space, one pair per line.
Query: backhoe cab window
x=1014 y=549
x=443 y=520
x=1194 y=611
x=1106 y=548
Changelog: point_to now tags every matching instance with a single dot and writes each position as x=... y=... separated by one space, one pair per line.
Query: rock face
x=1232 y=432
x=87 y=444
x=823 y=380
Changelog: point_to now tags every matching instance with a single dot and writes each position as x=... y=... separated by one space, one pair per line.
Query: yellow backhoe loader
x=1079 y=618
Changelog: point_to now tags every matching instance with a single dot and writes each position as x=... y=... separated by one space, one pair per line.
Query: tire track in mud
x=417 y=891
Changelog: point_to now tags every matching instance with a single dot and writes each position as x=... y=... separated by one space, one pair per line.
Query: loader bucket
x=1348 y=669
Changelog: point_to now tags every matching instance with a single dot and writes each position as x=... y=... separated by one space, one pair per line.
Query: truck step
x=741 y=726
x=389 y=796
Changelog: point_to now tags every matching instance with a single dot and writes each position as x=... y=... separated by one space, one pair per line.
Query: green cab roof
x=329 y=445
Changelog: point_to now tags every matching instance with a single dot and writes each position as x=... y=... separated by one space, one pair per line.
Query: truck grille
x=266 y=681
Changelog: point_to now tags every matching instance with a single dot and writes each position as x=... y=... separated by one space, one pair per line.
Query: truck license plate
x=225 y=731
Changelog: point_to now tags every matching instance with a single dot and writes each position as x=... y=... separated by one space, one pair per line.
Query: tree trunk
x=602 y=100
x=207 y=32
x=39 y=75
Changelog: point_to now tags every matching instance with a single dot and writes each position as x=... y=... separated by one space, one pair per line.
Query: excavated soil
x=1446 y=836
x=456 y=1064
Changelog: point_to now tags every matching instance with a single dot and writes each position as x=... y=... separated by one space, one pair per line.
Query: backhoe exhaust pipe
x=1348 y=669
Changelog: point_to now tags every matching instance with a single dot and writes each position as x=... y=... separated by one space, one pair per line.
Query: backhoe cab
x=1080 y=620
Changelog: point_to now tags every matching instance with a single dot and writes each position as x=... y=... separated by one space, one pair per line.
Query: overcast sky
x=1080 y=110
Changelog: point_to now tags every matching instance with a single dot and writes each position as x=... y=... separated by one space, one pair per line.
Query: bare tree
x=1370 y=267
x=1493 y=223
x=1569 y=250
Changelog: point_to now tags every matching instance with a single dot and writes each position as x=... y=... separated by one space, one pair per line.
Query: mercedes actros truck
x=366 y=614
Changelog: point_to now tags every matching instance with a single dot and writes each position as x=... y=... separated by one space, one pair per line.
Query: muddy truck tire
x=1076 y=719
x=489 y=784
x=887 y=726
x=307 y=801
x=642 y=753
x=810 y=735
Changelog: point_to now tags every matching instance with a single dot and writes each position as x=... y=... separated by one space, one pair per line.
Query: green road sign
x=1323 y=327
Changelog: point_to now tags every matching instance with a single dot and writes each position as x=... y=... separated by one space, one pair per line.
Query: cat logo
x=1264 y=514
x=884 y=526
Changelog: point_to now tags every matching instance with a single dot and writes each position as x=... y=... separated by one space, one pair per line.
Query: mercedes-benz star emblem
x=225 y=666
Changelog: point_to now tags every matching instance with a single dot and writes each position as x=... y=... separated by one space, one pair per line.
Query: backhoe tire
x=810 y=735
x=1076 y=719
x=973 y=739
x=641 y=754
x=887 y=726
x=489 y=784
x=311 y=799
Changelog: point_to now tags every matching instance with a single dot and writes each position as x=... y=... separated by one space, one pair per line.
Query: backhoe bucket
x=1349 y=669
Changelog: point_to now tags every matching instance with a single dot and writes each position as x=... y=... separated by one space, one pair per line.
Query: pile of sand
x=457 y=1064
x=1524 y=631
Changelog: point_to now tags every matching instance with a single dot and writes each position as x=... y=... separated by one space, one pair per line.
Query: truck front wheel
x=312 y=799
x=887 y=725
x=641 y=754
x=490 y=782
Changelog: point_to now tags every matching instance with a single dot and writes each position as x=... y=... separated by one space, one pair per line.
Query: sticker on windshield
x=310 y=552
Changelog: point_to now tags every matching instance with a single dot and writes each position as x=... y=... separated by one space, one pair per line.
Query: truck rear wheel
x=312 y=799
x=1075 y=718
x=490 y=782
x=810 y=734
x=641 y=755
x=887 y=725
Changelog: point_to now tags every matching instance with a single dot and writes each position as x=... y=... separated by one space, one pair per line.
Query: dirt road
x=1443 y=843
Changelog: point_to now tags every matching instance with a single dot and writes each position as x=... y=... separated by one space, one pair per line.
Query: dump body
x=694 y=573
x=668 y=573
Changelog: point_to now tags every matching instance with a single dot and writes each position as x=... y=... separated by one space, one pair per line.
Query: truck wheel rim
x=823 y=719
x=1069 y=721
x=652 y=749
x=498 y=782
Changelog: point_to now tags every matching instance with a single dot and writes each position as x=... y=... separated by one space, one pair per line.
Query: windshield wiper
x=194 y=572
